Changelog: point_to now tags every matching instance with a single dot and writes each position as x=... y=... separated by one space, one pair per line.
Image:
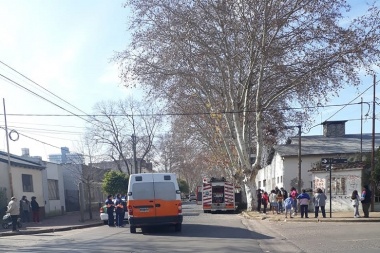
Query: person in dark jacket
x=35 y=210
x=110 y=208
x=259 y=196
x=366 y=200
x=25 y=209
x=119 y=211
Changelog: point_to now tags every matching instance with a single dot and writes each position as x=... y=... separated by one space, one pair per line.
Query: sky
x=66 y=47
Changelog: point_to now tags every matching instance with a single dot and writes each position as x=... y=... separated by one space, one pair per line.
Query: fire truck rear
x=218 y=195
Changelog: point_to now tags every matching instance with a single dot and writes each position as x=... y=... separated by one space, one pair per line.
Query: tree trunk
x=250 y=191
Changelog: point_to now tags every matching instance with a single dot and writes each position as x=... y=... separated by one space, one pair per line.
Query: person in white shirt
x=14 y=210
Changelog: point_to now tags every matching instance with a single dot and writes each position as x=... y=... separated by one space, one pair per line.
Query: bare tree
x=87 y=175
x=248 y=61
x=126 y=129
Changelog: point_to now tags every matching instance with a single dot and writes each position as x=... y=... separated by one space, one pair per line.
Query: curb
x=50 y=230
x=315 y=220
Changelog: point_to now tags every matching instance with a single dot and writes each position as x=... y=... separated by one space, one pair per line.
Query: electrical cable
x=10 y=80
x=42 y=87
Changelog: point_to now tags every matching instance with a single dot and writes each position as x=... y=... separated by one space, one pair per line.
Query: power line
x=35 y=139
x=178 y=114
x=42 y=87
x=73 y=114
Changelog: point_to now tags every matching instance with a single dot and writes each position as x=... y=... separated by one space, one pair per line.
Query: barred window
x=27 y=183
x=53 y=189
x=338 y=185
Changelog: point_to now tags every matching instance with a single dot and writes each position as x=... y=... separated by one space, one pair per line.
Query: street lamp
x=299 y=155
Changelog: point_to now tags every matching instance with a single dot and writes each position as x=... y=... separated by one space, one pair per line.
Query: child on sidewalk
x=288 y=203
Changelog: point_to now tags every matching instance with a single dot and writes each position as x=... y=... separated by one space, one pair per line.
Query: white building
x=66 y=157
x=334 y=143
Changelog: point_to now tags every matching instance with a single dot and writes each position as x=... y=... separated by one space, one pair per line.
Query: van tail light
x=130 y=210
x=179 y=208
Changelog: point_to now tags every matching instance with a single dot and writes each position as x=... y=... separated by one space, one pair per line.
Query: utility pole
x=299 y=159
x=373 y=146
x=9 y=157
x=134 y=153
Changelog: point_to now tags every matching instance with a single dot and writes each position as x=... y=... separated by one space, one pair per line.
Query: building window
x=281 y=179
x=27 y=183
x=53 y=189
x=278 y=180
x=259 y=184
x=338 y=185
x=264 y=183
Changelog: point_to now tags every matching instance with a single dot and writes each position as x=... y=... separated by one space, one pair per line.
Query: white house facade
x=283 y=169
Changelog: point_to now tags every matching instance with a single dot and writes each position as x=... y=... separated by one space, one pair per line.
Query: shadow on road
x=206 y=231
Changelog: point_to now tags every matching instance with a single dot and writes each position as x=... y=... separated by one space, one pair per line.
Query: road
x=207 y=233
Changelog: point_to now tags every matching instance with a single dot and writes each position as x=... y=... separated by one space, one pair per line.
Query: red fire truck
x=218 y=195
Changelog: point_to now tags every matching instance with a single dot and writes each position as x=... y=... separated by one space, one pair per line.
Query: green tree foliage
x=183 y=186
x=115 y=182
x=3 y=200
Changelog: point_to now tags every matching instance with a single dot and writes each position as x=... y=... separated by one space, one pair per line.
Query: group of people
x=23 y=209
x=118 y=206
x=280 y=201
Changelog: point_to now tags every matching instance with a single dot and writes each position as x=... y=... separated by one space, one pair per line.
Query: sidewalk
x=335 y=217
x=68 y=221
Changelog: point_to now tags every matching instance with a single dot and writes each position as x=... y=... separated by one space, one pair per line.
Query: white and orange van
x=154 y=199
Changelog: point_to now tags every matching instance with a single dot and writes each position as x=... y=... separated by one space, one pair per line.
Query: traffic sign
x=326 y=161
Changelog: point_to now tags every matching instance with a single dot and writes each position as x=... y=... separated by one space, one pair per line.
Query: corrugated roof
x=19 y=161
x=320 y=145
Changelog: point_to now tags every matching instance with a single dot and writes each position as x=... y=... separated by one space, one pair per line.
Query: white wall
x=54 y=172
x=342 y=200
x=37 y=184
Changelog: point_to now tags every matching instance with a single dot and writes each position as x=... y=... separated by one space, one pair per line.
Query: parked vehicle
x=154 y=199
x=7 y=221
x=192 y=197
x=218 y=195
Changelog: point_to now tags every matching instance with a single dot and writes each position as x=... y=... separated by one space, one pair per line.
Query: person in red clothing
x=294 y=194
x=265 y=200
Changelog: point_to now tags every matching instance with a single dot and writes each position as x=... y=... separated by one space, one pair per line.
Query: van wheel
x=132 y=229
x=178 y=227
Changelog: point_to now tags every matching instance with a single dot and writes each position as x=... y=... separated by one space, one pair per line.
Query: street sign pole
x=330 y=161
x=330 y=189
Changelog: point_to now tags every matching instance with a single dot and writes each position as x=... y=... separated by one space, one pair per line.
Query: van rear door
x=142 y=200
x=167 y=198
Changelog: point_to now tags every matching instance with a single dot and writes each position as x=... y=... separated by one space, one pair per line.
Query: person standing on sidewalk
x=35 y=210
x=273 y=201
x=288 y=204
x=110 y=208
x=366 y=200
x=304 y=199
x=14 y=210
x=119 y=211
x=25 y=209
x=280 y=204
x=355 y=198
x=294 y=194
x=265 y=200
x=319 y=200
x=259 y=196
x=284 y=193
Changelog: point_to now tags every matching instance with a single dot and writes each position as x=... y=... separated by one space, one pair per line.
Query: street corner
x=255 y=215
